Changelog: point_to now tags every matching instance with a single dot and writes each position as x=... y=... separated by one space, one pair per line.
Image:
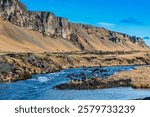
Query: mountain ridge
x=82 y=36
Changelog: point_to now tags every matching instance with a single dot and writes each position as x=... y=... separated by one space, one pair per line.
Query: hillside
x=27 y=31
x=17 y=39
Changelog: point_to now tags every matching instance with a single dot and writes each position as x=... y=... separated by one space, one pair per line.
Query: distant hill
x=27 y=31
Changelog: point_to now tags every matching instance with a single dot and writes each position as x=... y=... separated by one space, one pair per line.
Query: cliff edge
x=69 y=36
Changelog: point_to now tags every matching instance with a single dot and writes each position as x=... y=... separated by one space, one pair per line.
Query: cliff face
x=84 y=37
x=44 y=22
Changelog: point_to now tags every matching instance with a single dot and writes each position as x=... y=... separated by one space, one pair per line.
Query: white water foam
x=43 y=79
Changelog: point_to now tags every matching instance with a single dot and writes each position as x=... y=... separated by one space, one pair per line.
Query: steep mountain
x=23 y=30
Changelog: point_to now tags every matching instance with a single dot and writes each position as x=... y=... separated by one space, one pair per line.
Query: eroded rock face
x=45 y=22
x=50 y=25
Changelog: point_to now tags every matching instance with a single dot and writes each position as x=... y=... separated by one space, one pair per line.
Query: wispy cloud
x=105 y=24
x=132 y=21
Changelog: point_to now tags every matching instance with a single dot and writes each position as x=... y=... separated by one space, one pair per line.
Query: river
x=40 y=87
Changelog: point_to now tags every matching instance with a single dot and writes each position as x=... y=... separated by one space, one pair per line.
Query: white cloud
x=105 y=24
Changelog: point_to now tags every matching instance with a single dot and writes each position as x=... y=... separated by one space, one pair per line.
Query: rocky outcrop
x=93 y=83
x=14 y=67
x=81 y=35
x=21 y=66
x=44 y=22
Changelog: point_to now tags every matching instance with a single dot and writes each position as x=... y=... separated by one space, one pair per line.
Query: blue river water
x=40 y=87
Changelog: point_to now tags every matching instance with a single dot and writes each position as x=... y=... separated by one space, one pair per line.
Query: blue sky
x=127 y=16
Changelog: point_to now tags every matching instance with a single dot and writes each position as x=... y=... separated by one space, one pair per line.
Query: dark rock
x=93 y=83
x=4 y=67
x=147 y=98
x=76 y=76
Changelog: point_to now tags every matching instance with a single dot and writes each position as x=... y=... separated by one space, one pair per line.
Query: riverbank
x=40 y=86
x=21 y=66
x=140 y=77
x=136 y=78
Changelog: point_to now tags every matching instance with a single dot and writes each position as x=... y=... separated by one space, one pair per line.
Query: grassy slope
x=17 y=39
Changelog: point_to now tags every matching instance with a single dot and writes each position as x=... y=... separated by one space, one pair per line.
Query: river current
x=40 y=87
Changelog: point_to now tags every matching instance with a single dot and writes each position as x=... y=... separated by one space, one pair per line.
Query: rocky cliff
x=83 y=37
x=44 y=22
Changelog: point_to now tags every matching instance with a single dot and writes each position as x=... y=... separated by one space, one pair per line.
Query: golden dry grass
x=140 y=77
